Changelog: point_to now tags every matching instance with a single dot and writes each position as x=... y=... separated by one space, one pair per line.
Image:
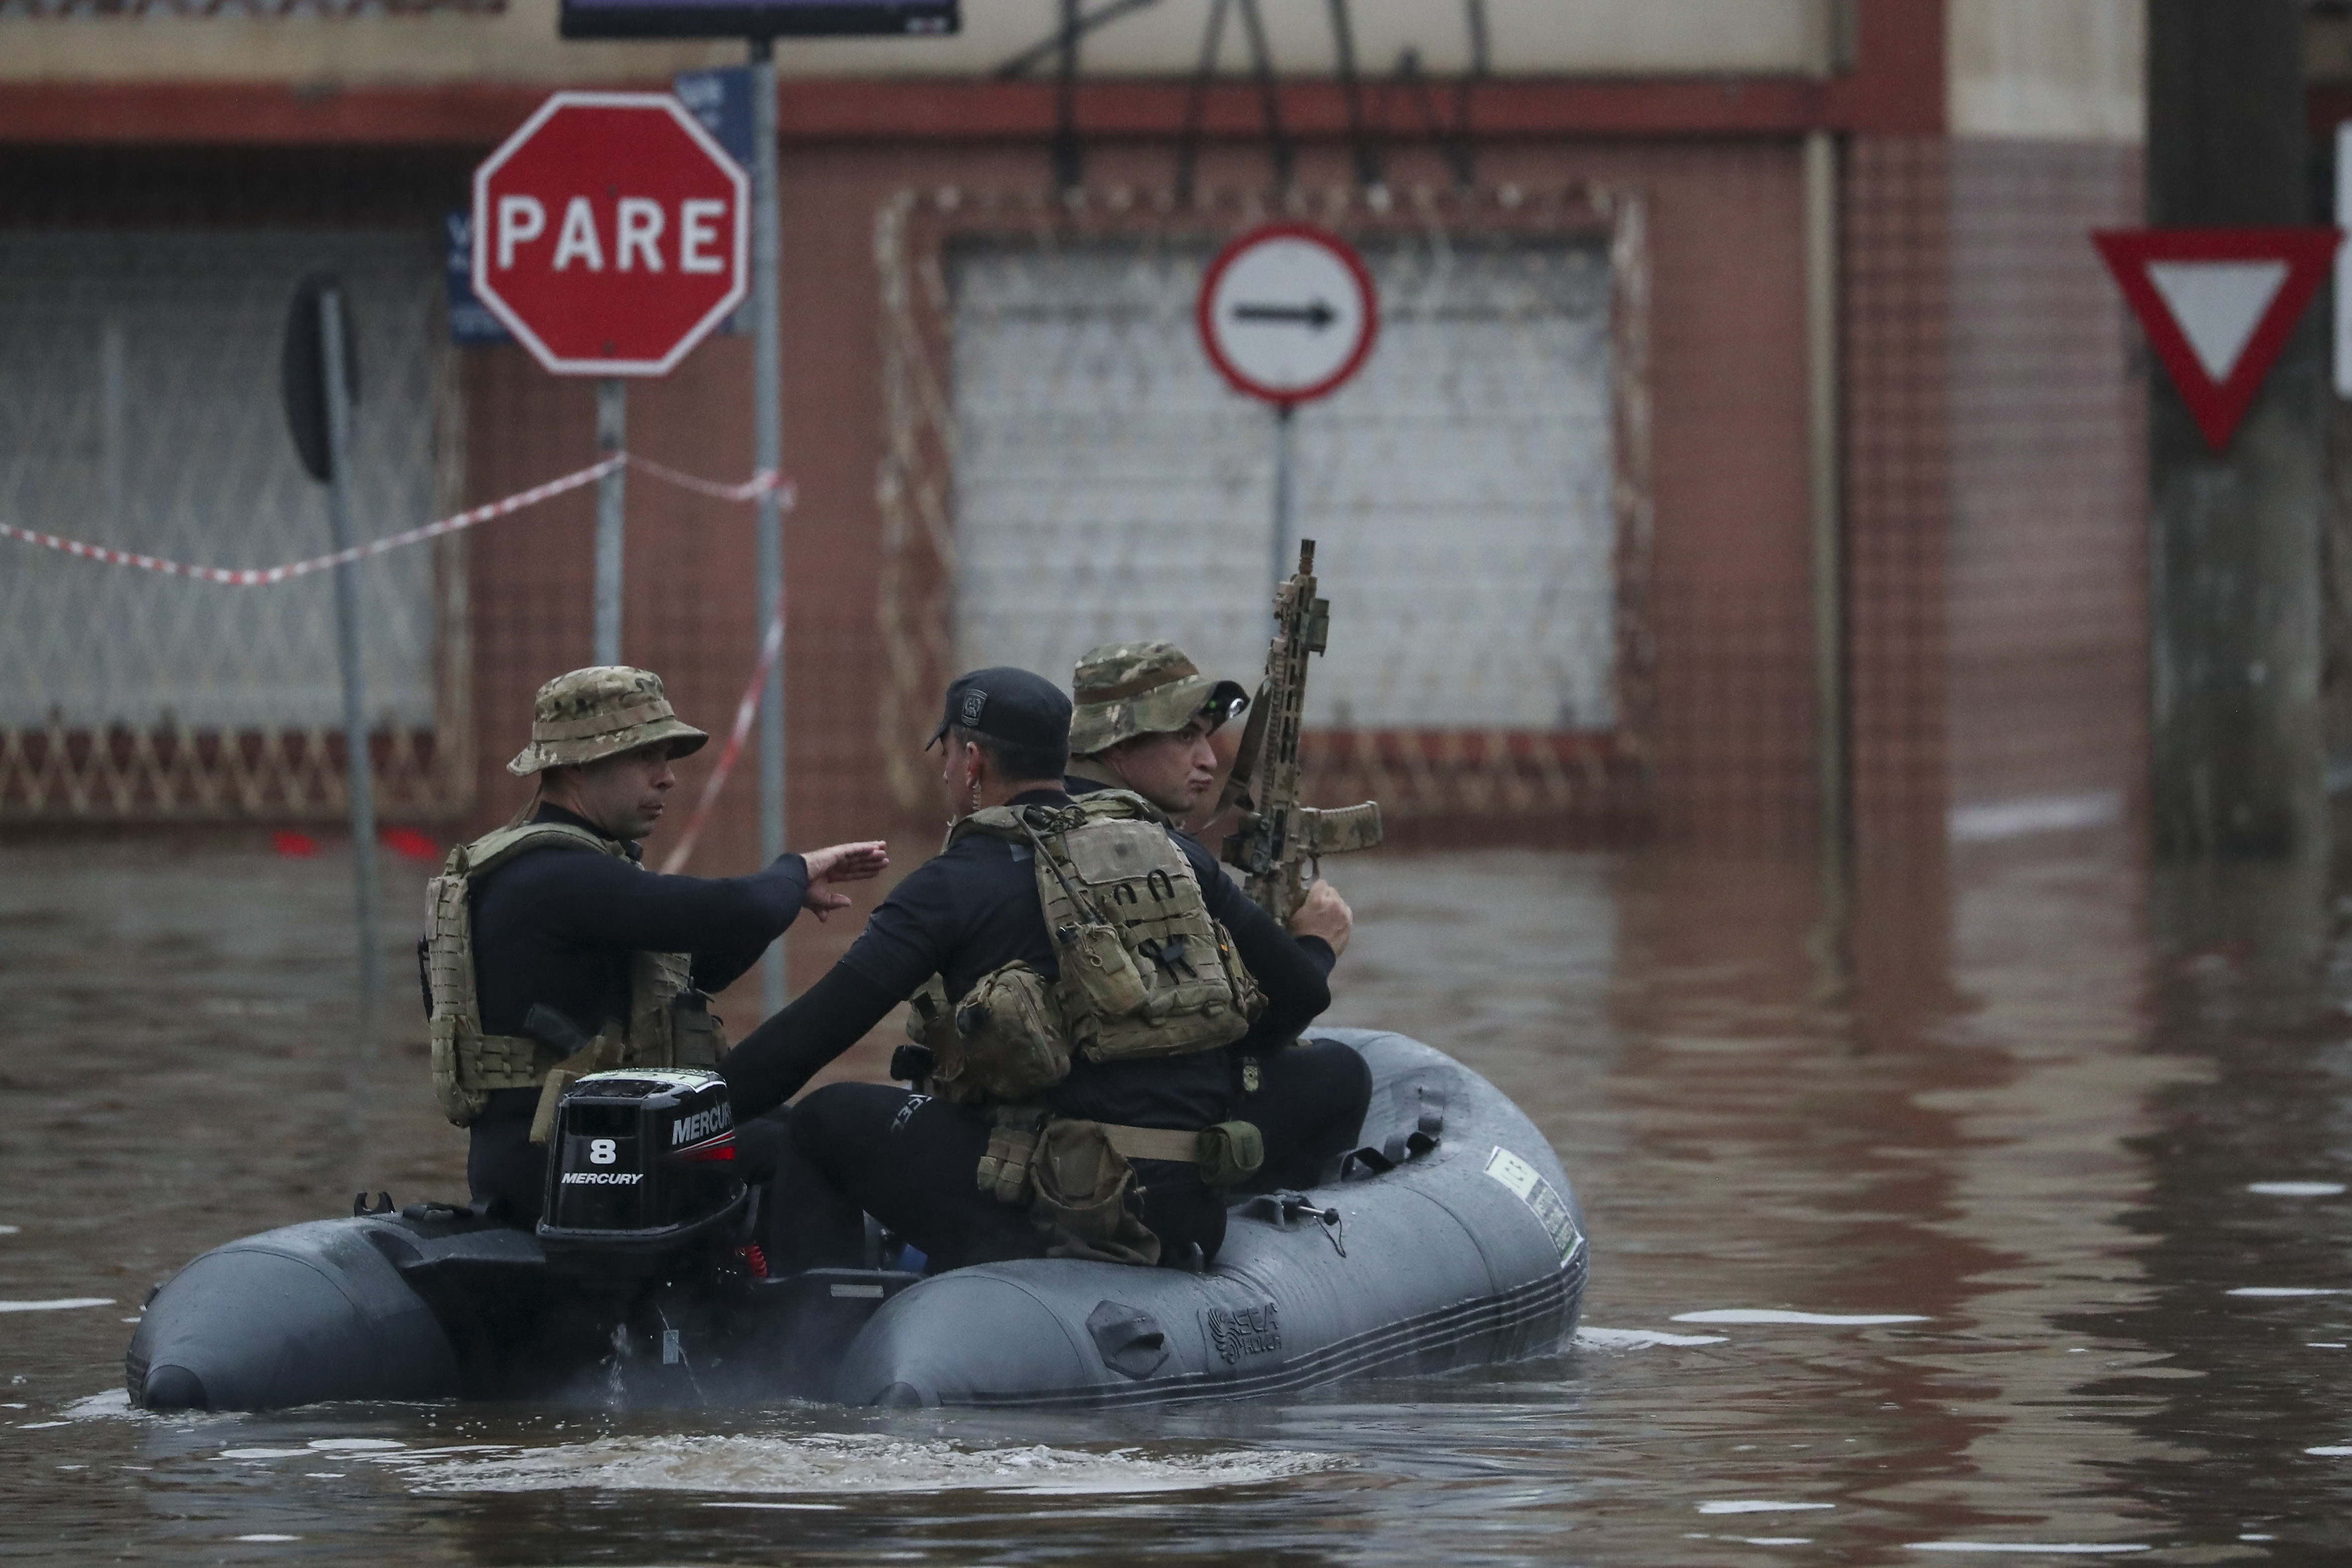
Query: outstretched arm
x=776 y=1060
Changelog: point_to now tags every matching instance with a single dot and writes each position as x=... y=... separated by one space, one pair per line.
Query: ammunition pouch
x=1005 y=1169
x=601 y=1055
x=1005 y=1041
x=1231 y=1153
x=1086 y=1198
x=697 y=1037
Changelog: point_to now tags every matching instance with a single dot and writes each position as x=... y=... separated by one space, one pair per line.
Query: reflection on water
x=2018 y=1230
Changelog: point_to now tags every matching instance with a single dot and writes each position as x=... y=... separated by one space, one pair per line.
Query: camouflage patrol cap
x=601 y=711
x=1131 y=689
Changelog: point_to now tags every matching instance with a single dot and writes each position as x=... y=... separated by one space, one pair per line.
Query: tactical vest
x=1145 y=971
x=469 y=1064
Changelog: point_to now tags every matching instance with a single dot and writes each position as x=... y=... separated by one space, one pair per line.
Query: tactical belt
x=1153 y=1142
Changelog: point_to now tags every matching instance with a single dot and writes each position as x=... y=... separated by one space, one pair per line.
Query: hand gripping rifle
x=1280 y=843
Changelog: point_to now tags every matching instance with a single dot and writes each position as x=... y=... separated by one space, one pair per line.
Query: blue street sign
x=721 y=99
x=470 y=321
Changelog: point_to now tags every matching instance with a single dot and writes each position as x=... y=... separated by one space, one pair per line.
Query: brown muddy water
x=2010 y=1226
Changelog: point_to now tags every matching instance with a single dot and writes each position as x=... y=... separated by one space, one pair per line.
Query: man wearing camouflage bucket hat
x=1143 y=720
x=541 y=966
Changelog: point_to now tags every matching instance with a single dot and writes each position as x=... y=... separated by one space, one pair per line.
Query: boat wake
x=852 y=1464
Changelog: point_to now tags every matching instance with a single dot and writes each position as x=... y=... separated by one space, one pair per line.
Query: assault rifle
x=1280 y=843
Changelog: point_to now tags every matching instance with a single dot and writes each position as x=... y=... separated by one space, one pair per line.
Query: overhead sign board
x=2218 y=305
x=756 y=18
x=1288 y=312
x=610 y=233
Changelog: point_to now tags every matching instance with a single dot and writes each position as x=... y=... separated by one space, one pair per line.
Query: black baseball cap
x=1010 y=704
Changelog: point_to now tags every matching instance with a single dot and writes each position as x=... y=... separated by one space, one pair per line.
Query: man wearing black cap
x=979 y=912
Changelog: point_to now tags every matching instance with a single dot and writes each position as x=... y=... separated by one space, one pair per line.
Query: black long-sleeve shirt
x=558 y=926
x=975 y=906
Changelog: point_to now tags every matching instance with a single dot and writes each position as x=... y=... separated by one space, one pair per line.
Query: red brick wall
x=1897 y=281
x=2047 y=562
x=1995 y=486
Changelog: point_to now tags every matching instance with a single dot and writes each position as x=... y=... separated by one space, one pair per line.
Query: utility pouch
x=931 y=1016
x=1005 y=1169
x=1094 y=958
x=1086 y=1198
x=697 y=1035
x=1231 y=1153
x=600 y=1055
x=1007 y=1043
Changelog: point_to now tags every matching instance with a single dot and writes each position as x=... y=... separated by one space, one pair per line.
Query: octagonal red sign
x=610 y=233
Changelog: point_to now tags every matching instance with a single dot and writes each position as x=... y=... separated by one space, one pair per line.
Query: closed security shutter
x=139 y=408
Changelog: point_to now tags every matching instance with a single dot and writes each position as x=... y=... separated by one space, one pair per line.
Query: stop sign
x=610 y=233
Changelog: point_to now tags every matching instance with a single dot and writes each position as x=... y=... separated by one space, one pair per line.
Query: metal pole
x=1285 y=524
x=1821 y=197
x=612 y=514
x=767 y=435
x=2238 y=741
x=361 y=771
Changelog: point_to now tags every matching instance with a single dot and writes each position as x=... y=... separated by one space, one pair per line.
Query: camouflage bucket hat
x=601 y=711
x=1131 y=689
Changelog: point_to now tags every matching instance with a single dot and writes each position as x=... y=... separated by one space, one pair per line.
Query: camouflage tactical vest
x=469 y=1064
x=1145 y=971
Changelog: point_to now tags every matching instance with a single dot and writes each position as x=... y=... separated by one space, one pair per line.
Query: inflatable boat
x=1451 y=1239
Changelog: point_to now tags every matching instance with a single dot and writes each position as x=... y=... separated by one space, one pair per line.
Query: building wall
x=2047 y=557
x=2050 y=70
x=518 y=42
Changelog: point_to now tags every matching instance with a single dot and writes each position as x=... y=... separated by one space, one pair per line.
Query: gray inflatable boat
x=1451 y=1240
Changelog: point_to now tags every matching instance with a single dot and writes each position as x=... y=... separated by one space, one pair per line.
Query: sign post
x=612 y=512
x=610 y=236
x=768 y=427
x=761 y=22
x=318 y=380
x=1287 y=313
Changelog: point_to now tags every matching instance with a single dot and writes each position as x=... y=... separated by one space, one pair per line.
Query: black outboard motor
x=640 y=1170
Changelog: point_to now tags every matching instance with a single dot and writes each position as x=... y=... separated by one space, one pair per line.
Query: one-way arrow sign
x=2218 y=305
x=1314 y=315
x=1267 y=285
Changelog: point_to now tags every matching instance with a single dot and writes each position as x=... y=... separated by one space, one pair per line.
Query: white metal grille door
x=1091 y=479
x=138 y=408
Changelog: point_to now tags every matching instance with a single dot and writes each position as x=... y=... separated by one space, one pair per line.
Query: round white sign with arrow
x=1288 y=312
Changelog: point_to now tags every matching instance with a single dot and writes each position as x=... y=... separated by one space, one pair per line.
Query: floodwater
x=2004 y=1221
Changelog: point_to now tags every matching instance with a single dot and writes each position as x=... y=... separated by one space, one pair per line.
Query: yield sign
x=2218 y=305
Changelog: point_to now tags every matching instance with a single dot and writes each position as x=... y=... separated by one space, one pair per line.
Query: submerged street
x=2005 y=1220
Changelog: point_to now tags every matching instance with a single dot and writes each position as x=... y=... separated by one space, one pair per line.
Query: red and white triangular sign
x=2218 y=305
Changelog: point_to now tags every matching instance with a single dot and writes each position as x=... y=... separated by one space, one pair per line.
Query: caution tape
x=746 y=712
x=255 y=577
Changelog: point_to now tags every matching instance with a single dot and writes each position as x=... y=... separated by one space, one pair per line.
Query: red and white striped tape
x=255 y=576
x=746 y=712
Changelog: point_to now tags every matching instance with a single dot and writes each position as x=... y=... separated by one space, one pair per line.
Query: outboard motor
x=640 y=1170
x=648 y=1215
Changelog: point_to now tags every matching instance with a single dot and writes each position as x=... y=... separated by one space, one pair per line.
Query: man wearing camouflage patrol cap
x=1142 y=721
x=551 y=950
